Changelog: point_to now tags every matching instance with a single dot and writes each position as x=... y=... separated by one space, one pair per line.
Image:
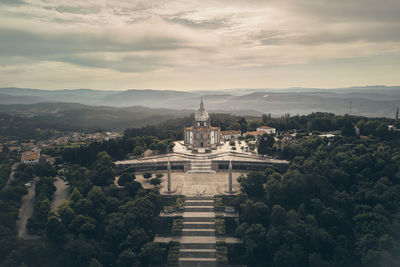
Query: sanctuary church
x=201 y=134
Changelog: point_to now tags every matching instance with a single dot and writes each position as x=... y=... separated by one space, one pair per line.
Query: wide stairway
x=201 y=165
x=198 y=242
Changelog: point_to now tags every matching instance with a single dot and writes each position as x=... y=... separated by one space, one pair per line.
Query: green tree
x=162 y=146
x=253 y=185
x=103 y=170
x=155 y=181
x=138 y=150
x=126 y=178
x=265 y=144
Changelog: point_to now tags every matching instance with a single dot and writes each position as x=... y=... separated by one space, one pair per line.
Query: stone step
x=199 y=197
x=211 y=200
x=198 y=219
x=198 y=225
x=198 y=262
x=201 y=167
x=197 y=253
x=199 y=203
x=199 y=209
x=198 y=232
x=197 y=245
x=201 y=171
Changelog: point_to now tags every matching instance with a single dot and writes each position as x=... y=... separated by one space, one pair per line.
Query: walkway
x=26 y=211
x=11 y=178
x=62 y=193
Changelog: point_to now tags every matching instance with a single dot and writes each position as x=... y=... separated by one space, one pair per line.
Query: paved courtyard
x=195 y=183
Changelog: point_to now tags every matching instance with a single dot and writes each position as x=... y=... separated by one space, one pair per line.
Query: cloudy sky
x=188 y=45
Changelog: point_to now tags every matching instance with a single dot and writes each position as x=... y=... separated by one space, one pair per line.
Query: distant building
x=255 y=133
x=393 y=128
x=288 y=137
x=356 y=130
x=230 y=134
x=30 y=157
x=266 y=129
x=202 y=134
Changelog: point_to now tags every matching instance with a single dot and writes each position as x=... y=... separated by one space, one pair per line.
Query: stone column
x=169 y=176
x=230 y=177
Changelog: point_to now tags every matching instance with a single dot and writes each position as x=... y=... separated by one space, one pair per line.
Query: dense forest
x=337 y=203
x=101 y=225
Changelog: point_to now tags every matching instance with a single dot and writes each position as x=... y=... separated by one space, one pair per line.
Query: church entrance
x=201 y=144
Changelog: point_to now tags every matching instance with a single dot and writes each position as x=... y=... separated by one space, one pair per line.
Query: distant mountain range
x=72 y=116
x=372 y=101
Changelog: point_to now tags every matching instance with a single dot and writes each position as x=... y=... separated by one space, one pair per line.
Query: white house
x=230 y=134
x=30 y=157
x=266 y=129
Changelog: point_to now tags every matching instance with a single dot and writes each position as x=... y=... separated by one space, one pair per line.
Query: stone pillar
x=169 y=176
x=230 y=177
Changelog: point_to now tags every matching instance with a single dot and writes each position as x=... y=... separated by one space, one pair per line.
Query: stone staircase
x=201 y=165
x=198 y=242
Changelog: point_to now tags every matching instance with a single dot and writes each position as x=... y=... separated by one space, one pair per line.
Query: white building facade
x=266 y=129
x=201 y=134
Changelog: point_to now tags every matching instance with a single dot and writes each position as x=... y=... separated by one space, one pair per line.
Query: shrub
x=173 y=253
x=147 y=175
x=219 y=205
x=177 y=226
x=222 y=253
x=155 y=181
x=220 y=226
x=180 y=204
x=232 y=143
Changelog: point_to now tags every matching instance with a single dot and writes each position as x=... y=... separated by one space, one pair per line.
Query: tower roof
x=201 y=114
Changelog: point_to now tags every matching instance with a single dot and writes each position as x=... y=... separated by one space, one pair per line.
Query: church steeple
x=201 y=105
x=201 y=114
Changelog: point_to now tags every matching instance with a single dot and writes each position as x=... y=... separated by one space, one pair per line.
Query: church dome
x=201 y=114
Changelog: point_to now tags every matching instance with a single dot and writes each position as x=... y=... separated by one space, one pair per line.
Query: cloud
x=152 y=37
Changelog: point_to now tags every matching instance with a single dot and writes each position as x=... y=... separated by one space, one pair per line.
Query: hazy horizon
x=191 y=45
x=354 y=87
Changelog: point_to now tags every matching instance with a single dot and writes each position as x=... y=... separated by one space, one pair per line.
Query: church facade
x=201 y=134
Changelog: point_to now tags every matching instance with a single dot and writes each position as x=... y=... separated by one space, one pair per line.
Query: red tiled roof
x=30 y=155
x=255 y=133
x=214 y=128
x=229 y=132
x=265 y=127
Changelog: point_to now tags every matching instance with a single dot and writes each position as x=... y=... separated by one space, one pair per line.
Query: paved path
x=200 y=183
x=61 y=194
x=11 y=178
x=26 y=211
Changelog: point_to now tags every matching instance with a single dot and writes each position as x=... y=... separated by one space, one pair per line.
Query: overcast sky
x=188 y=45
